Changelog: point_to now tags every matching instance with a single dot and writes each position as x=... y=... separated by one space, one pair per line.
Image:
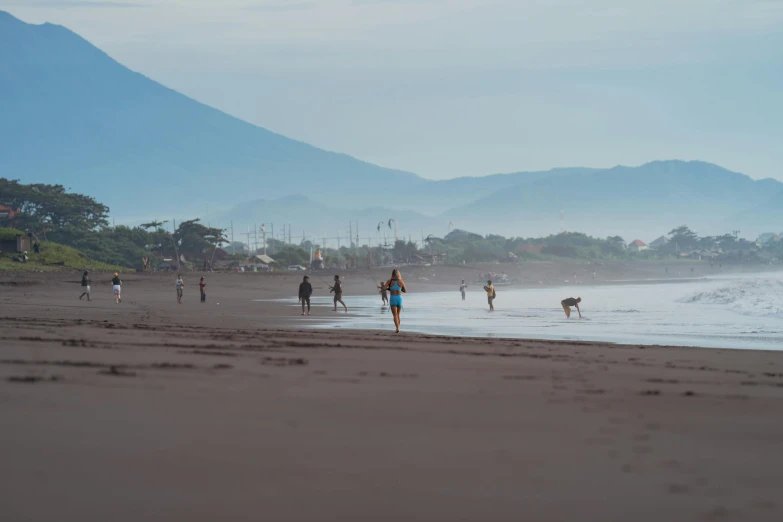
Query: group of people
x=180 y=284
x=391 y=294
x=116 y=285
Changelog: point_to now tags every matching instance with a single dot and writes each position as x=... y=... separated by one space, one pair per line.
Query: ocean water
x=720 y=312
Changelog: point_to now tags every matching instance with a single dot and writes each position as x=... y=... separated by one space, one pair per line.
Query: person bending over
x=568 y=303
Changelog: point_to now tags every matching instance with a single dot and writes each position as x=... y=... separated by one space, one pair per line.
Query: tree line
x=51 y=213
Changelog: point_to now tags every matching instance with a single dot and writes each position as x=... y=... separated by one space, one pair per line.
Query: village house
x=637 y=245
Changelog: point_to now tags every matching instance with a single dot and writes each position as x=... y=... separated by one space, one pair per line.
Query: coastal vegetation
x=73 y=231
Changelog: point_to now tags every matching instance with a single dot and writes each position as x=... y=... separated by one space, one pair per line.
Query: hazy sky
x=448 y=88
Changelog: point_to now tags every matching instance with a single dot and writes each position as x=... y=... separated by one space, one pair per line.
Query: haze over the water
x=447 y=88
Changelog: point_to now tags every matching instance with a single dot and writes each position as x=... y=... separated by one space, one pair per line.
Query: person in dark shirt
x=568 y=303
x=85 y=286
x=117 y=287
x=305 y=291
x=202 y=285
x=337 y=290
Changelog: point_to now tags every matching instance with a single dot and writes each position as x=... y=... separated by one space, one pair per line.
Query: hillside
x=71 y=112
x=52 y=257
x=73 y=115
x=635 y=202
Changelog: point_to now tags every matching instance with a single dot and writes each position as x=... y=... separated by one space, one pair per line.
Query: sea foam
x=755 y=297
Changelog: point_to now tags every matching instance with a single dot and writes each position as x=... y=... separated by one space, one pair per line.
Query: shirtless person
x=337 y=289
x=568 y=303
x=384 y=294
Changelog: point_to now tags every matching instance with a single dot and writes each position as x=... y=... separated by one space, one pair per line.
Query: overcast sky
x=449 y=88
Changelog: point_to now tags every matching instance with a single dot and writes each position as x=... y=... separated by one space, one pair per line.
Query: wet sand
x=155 y=411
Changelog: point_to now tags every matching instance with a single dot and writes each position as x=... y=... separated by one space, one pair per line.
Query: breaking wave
x=756 y=297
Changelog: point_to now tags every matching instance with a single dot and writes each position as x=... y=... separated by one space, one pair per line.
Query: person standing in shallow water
x=396 y=287
x=337 y=290
x=180 y=288
x=568 y=303
x=462 y=289
x=384 y=294
x=490 y=290
x=305 y=291
x=116 y=283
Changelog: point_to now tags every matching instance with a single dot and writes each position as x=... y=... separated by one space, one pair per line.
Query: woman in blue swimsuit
x=396 y=287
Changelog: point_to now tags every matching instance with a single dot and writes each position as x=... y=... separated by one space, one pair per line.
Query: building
x=658 y=243
x=637 y=245
x=7 y=212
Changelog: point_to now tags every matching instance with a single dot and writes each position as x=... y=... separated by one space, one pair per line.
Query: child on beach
x=117 y=287
x=384 y=294
x=202 y=286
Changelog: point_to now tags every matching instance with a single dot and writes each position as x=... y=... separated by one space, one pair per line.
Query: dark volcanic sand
x=151 y=411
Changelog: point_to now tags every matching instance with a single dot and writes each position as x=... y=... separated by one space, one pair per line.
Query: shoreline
x=131 y=417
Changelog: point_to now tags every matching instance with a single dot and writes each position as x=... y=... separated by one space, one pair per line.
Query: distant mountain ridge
x=73 y=115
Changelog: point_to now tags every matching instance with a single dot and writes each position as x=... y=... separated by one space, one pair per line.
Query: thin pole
x=233 y=250
x=273 y=238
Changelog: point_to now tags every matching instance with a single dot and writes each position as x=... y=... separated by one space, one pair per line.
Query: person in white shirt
x=180 y=288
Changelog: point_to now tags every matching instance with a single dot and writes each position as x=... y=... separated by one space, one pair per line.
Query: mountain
x=635 y=202
x=72 y=114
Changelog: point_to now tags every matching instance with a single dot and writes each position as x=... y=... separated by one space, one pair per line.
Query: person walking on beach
x=384 y=294
x=568 y=303
x=116 y=283
x=337 y=289
x=305 y=291
x=462 y=289
x=490 y=290
x=180 y=288
x=202 y=286
x=396 y=287
x=85 y=286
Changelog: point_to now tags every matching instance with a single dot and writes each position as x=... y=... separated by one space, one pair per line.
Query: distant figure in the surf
x=462 y=289
x=568 y=303
x=396 y=287
x=491 y=294
x=384 y=293
x=305 y=292
x=337 y=290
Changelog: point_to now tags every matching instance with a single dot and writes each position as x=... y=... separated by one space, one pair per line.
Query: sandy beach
x=154 y=411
